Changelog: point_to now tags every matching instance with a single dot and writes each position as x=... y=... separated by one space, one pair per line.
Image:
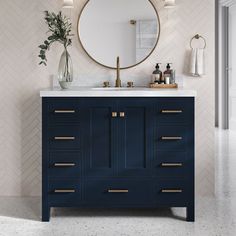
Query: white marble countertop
x=117 y=92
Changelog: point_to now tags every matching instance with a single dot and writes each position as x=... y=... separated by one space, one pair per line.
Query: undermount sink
x=112 y=88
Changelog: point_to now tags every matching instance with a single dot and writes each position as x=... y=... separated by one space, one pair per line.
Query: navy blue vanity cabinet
x=99 y=136
x=118 y=152
x=136 y=134
x=174 y=153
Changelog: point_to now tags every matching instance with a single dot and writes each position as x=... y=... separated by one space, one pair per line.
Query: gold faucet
x=118 y=80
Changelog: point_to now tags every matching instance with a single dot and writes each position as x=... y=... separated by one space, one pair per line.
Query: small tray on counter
x=164 y=86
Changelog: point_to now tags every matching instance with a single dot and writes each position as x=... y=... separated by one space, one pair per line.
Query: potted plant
x=60 y=29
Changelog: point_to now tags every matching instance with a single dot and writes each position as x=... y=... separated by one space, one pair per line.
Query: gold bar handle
x=171 y=111
x=171 y=138
x=64 y=138
x=64 y=164
x=64 y=111
x=117 y=190
x=171 y=190
x=64 y=191
x=114 y=114
x=171 y=164
x=122 y=114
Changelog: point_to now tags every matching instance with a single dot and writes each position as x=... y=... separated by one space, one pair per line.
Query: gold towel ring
x=197 y=36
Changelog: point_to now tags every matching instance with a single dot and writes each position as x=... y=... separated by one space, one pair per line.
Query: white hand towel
x=193 y=60
x=197 y=62
x=200 y=67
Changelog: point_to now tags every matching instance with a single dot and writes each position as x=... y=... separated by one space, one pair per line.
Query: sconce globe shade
x=169 y=4
x=68 y=4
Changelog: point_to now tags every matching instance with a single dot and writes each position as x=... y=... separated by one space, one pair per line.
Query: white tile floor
x=214 y=216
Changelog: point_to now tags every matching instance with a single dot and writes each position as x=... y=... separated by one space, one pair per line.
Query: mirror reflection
x=126 y=28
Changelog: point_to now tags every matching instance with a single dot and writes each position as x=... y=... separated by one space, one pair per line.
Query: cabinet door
x=99 y=128
x=135 y=137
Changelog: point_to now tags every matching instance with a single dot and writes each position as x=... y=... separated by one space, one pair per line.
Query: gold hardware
x=118 y=190
x=64 y=191
x=130 y=84
x=122 y=114
x=114 y=114
x=118 y=80
x=133 y=22
x=64 y=164
x=171 y=138
x=64 y=111
x=171 y=190
x=171 y=111
x=106 y=84
x=171 y=164
x=64 y=138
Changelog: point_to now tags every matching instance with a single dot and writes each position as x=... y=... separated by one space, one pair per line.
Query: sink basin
x=112 y=89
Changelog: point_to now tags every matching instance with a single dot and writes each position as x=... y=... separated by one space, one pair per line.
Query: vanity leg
x=190 y=213
x=45 y=214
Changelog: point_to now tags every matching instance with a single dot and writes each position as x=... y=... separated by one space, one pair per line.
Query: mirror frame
x=122 y=68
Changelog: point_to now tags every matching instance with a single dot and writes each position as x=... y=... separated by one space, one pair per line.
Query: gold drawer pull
x=171 y=190
x=171 y=164
x=171 y=111
x=171 y=138
x=64 y=164
x=64 y=138
x=114 y=114
x=64 y=191
x=118 y=190
x=122 y=114
x=64 y=111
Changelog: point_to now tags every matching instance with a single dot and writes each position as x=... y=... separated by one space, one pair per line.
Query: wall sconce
x=68 y=4
x=169 y=4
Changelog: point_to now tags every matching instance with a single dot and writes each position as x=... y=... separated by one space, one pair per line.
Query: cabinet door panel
x=98 y=145
x=134 y=138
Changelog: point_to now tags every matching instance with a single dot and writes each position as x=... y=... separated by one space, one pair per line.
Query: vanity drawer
x=170 y=164
x=175 y=110
x=172 y=137
x=172 y=192
x=64 y=164
x=64 y=110
x=64 y=137
x=64 y=192
x=119 y=192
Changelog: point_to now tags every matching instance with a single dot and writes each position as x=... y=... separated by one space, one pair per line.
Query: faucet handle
x=106 y=84
x=130 y=84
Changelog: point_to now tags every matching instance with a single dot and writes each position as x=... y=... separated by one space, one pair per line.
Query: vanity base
x=118 y=153
x=190 y=217
x=190 y=211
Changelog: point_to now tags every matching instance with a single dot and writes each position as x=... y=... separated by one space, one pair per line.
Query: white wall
x=22 y=30
x=232 y=63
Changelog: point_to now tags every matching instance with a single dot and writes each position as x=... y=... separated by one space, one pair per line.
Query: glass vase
x=65 y=71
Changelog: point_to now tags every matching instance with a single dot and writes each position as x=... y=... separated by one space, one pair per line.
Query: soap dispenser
x=168 y=74
x=157 y=74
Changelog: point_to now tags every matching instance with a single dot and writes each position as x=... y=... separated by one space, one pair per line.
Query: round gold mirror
x=129 y=29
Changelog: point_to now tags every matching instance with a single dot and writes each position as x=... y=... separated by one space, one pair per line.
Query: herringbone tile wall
x=22 y=29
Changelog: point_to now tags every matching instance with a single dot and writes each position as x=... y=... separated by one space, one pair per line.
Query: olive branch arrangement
x=60 y=28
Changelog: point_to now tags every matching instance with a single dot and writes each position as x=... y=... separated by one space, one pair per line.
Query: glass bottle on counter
x=169 y=75
x=157 y=74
